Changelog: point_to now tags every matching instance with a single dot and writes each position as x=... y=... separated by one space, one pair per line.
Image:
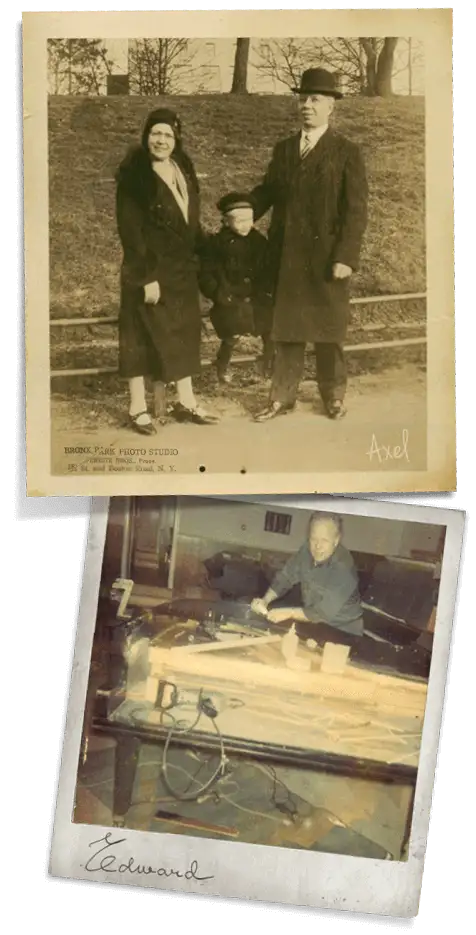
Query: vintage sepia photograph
x=258 y=672
x=238 y=258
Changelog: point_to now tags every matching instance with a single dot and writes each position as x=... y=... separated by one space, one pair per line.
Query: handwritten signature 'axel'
x=104 y=859
x=389 y=452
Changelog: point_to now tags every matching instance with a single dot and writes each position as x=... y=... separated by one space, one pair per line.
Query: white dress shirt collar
x=313 y=136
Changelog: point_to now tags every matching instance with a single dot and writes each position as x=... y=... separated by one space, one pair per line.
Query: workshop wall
x=251 y=530
x=245 y=525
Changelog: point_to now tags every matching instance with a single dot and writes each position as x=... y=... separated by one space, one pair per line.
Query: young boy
x=234 y=276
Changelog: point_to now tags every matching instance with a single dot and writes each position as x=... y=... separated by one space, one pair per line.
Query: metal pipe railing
x=112 y=319
x=349 y=349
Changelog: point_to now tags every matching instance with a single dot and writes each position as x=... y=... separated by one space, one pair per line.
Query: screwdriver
x=196 y=823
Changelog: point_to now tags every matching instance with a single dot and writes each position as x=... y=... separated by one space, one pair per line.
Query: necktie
x=306 y=145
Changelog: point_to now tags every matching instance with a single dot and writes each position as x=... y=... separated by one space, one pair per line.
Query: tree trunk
x=70 y=66
x=370 y=55
x=162 y=69
x=240 y=70
x=383 y=84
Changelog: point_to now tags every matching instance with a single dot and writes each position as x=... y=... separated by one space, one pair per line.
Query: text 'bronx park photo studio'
x=243 y=277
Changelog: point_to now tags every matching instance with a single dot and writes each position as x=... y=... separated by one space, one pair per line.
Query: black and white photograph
x=239 y=270
x=259 y=673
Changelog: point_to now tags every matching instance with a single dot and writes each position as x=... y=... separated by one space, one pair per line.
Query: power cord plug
x=206 y=705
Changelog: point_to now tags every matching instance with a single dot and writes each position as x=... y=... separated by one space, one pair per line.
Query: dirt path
x=385 y=429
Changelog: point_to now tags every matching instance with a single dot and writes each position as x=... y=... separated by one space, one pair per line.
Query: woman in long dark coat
x=158 y=221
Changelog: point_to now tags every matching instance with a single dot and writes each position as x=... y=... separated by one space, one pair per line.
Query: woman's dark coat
x=319 y=218
x=233 y=274
x=163 y=340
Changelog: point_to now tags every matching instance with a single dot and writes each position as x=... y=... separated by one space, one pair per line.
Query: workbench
x=360 y=723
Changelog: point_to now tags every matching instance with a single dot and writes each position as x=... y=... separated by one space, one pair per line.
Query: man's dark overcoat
x=163 y=340
x=319 y=218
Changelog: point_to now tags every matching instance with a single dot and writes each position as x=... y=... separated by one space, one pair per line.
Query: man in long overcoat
x=316 y=185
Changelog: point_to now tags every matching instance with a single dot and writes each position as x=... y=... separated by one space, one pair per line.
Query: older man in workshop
x=326 y=572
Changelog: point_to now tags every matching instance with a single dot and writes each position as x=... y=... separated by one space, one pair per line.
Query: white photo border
x=250 y=871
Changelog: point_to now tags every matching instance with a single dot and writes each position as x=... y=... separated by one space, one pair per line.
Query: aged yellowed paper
x=138 y=384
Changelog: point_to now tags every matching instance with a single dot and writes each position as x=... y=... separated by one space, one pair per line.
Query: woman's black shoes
x=143 y=428
x=199 y=416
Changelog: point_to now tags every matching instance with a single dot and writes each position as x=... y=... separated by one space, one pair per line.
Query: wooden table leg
x=125 y=766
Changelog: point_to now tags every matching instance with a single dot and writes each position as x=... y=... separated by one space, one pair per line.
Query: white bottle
x=290 y=643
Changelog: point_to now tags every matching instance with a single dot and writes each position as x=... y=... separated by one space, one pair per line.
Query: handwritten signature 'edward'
x=104 y=859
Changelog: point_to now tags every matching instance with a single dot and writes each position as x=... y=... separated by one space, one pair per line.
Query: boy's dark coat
x=319 y=217
x=163 y=340
x=234 y=275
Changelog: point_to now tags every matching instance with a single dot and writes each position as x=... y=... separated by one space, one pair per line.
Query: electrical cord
x=249 y=811
x=182 y=727
x=228 y=798
x=204 y=706
x=283 y=806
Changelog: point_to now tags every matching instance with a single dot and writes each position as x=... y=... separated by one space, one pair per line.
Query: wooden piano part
x=240 y=666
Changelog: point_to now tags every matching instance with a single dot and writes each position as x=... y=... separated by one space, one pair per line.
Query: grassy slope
x=230 y=139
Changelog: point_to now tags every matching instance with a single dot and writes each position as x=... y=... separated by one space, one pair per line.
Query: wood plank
x=271 y=669
x=315 y=683
x=240 y=643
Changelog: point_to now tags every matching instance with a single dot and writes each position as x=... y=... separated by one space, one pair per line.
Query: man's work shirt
x=329 y=589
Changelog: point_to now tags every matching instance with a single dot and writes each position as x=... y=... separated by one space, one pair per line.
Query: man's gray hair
x=322 y=517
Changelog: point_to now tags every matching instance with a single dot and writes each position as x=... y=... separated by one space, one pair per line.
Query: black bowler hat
x=234 y=200
x=319 y=81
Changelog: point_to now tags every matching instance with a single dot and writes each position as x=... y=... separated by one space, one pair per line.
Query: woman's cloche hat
x=319 y=81
x=162 y=115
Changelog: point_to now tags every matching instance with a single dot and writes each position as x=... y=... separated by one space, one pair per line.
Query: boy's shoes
x=273 y=410
x=224 y=377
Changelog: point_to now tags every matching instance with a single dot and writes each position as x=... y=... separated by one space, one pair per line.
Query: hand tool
x=197 y=823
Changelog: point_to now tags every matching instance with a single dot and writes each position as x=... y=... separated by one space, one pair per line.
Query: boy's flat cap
x=234 y=200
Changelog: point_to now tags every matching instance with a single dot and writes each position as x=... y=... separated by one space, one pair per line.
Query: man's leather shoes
x=273 y=410
x=335 y=409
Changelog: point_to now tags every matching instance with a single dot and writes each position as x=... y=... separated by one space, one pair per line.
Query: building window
x=278 y=522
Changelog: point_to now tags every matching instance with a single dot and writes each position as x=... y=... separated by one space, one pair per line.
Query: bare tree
x=240 y=70
x=77 y=66
x=409 y=62
x=380 y=55
x=364 y=65
x=283 y=60
x=160 y=66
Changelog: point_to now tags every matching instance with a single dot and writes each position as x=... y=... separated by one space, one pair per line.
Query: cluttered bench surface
x=229 y=678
